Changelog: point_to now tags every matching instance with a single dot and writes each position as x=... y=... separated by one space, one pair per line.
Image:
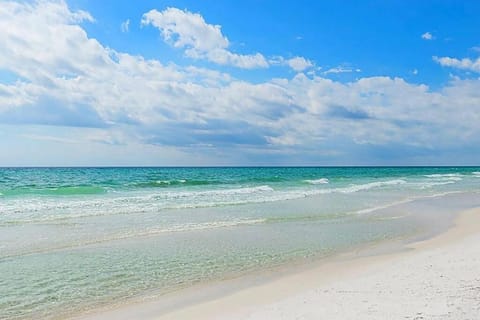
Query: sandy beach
x=436 y=278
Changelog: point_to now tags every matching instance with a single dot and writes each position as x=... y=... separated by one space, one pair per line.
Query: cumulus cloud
x=299 y=63
x=427 y=36
x=190 y=31
x=464 y=64
x=66 y=78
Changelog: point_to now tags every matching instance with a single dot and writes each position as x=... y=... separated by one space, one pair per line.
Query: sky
x=240 y=83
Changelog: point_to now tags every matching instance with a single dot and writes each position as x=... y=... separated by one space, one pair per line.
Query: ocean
x=78 y=239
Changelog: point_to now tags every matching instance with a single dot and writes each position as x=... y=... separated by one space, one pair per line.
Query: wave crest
x=317 y=181
x=447 y=176
x=367 y=186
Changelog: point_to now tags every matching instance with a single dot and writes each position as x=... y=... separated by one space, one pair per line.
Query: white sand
x=435 y=279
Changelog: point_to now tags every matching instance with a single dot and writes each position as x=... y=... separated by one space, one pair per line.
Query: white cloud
x=67 y=78
x=189 y=31
x=299 y=63
x=415 y=72
x=342 y=69
x=427 y=36
x=464 y=64
x=125 y=26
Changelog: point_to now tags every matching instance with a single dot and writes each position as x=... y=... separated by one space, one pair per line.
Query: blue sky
x=239 y=83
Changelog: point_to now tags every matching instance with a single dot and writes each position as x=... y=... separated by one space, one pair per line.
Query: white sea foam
x=55 y=210
x=355 y=187
x=368 y=186
x=447 y=176
x=216 y=192
x=440 y=179
x=436 y=175
x=428 y=185
x=317 y=181
x=247 y=190
x=170 y=181
x=50 y=210
x=169 y=200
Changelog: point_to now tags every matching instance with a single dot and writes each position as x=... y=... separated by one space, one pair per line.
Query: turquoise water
x=74 y=239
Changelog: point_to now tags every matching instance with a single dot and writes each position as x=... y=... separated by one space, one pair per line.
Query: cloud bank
x=67 y=79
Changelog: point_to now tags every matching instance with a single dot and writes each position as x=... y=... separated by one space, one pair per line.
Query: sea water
x=75 y=239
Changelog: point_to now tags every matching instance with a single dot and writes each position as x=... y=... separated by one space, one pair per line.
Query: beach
x=239 y=160
x=435 y=278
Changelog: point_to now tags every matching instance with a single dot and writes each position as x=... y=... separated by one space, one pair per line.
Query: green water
x=74 y=239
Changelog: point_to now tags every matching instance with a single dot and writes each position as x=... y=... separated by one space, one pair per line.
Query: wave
x=368 y=186
x=53 y=210
x=216 y=192
x=439 y=175
x=440 y=179
x=245 y=190
x=355 y=187
x=46 y=210
x=447 y=176
x=428 y=185
x=72 y=209
x=317 y=181
x=170 y=183
x=270 y=195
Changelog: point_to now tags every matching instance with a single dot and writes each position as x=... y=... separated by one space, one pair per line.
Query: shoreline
x=252 y=295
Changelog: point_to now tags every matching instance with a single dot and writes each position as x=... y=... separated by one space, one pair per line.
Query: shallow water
x=72 y=239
